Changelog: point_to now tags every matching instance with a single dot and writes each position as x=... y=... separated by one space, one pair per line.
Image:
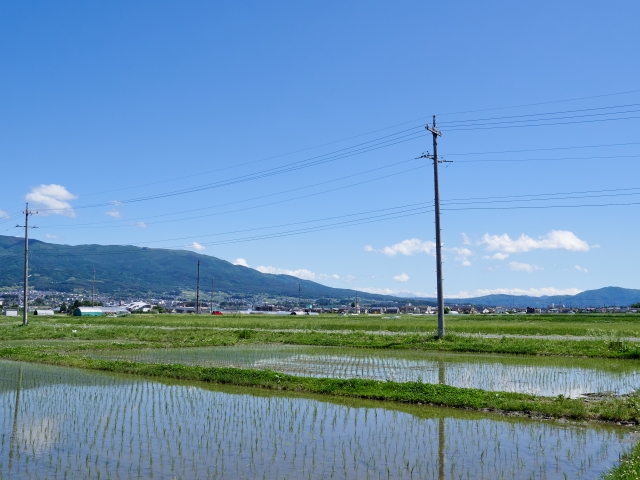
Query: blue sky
x=234 y=128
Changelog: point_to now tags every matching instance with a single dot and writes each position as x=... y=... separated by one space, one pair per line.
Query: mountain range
x=128 y=271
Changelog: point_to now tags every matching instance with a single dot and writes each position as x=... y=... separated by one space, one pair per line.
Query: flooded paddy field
x=66 y=423
x=548 y=376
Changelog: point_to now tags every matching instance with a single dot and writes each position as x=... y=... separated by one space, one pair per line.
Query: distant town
x=50 y=302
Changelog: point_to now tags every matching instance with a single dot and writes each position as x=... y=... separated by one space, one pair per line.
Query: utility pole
x=93 y=288
x=298 y=296
x=211 y=309
x=356 y=310
x=27 y=214
x=198 y=291
x=436 y=188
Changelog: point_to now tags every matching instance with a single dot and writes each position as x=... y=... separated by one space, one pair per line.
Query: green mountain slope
x=129 y=271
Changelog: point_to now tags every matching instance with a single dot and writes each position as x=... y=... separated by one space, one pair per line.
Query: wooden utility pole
x=198 y=291
x=436 y=188
x=27 y=214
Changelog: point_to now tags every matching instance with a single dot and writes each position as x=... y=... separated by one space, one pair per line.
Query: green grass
x=611 y=410
x=97 y=334
x=577 y=325
x=628 y=468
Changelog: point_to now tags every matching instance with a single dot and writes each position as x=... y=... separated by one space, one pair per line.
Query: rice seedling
x=80 y=424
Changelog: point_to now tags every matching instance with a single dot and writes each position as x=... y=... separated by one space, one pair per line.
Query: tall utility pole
x=27 y=214
x=93 y=288
x=198 y=290
x=298 y=296
x=211 y=308
x=436 y=188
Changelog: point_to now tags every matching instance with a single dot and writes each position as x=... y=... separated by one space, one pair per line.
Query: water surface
x=550 y=376
x=66 y=423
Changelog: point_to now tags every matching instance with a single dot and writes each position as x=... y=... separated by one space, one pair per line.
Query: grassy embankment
x=189 y=331
x=577 y=325
x=625 y=409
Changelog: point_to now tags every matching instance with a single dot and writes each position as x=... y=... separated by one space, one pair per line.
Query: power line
x=249 y=177
x=454 y=122
x=543 y=124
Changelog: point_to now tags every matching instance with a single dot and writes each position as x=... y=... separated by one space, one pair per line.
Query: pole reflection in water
x=441 y=381
x=14 y=430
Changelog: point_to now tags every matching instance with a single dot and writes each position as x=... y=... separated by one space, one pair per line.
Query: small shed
x=87 y=312
x=11 y=313
x=43 y=311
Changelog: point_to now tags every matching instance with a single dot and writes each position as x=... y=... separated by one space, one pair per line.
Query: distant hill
x=608 y=296
x=127 y=271
x=139 y=271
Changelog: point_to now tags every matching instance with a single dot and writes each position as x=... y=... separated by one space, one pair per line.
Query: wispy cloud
x=113 y=213
x=406 y=247
x=581 y=269
x=138 y=224
x=462 y=255
x=325 y=276
x=196 y=246
x=556 y=239
x=524 y=267
x=4 y=215
x=241 y=261
x=47 y=235
x=52 y=199
x=116 y=202
x=300 y=273
x=403 y=277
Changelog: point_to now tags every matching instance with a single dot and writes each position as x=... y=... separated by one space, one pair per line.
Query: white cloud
x=3 y=214
x=116 y=202
x=556 y=239
x=380 y=291
x=403 y=277
x=324 y=276
x=139 y=224
x=196 y=246
x=113 y=213
x=52 y=199
x=300 y=273
x=465 y=239
x=581 y=269
x=462 y=255
x=533 y=292
x=406 y=247
x=499 y=256
x=50 y=236
x=242 y=262
x=524 y=267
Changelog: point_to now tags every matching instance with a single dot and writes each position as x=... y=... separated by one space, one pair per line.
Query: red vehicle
x=216 y=312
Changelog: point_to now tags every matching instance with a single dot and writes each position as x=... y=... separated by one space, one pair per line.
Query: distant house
x=500 y=310
x=375 y=310
x=393 y=310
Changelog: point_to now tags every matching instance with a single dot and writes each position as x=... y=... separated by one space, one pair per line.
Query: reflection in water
x=14 y=429
x=441 y=437
x=570 y=377
x=114 y=427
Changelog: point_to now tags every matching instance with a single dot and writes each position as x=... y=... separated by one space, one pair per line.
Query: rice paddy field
x=67 y=423
x=322 y=397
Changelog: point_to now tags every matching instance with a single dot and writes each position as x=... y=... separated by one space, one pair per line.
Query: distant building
x=43 y=311
x=87 y=312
